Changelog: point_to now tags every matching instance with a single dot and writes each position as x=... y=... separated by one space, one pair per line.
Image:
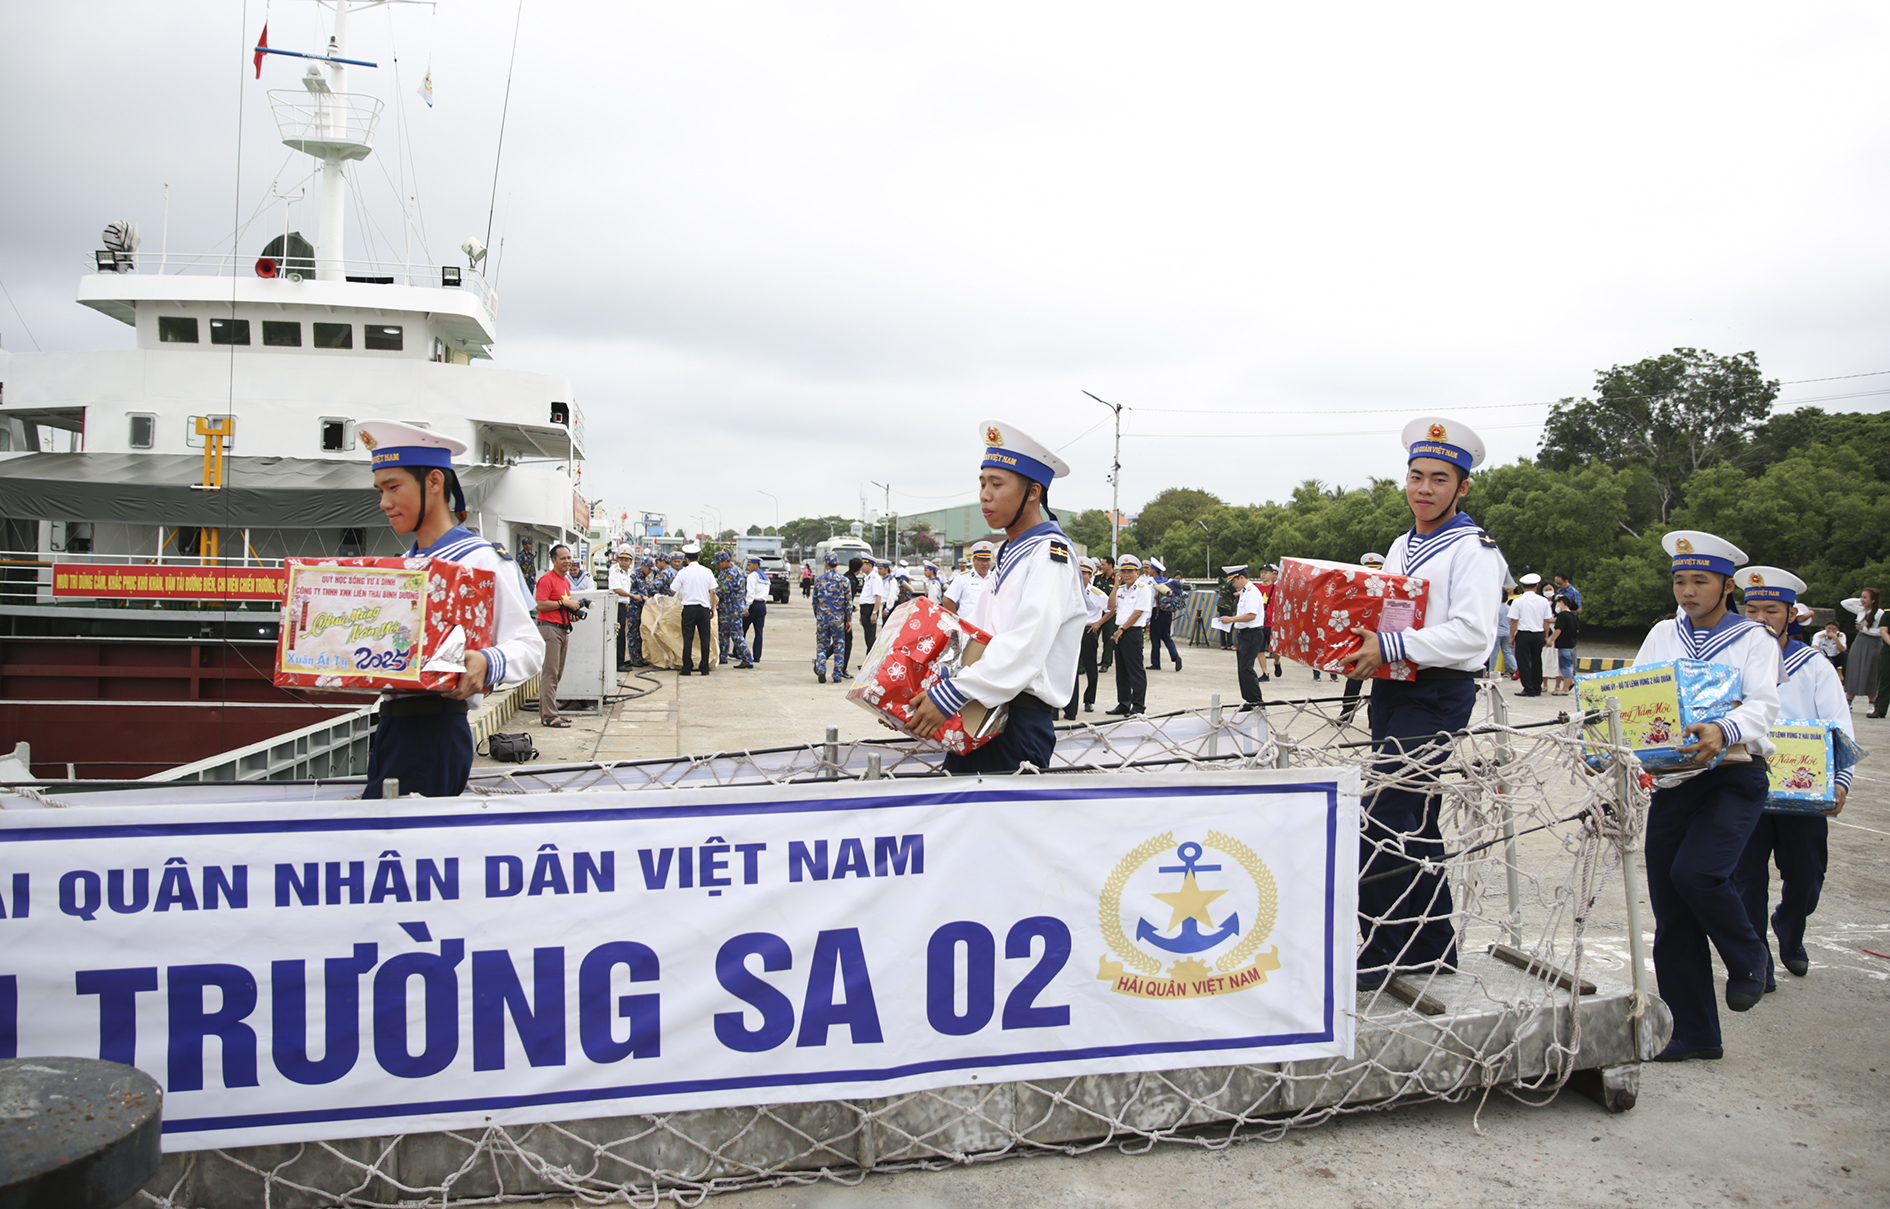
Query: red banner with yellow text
x=132 y=581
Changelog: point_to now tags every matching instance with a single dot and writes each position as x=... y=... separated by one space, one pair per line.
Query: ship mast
x=332 y=237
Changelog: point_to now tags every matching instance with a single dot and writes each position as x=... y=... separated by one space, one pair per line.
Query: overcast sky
x=800 y=247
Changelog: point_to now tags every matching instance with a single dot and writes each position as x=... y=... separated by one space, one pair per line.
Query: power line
x=16 y=311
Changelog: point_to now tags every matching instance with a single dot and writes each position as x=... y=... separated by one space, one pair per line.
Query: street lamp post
x=777 y=511
x=1210 y=547
x=1115 y=482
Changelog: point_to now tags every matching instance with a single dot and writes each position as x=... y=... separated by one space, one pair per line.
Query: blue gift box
x=1658 y=702
x=1805 y=767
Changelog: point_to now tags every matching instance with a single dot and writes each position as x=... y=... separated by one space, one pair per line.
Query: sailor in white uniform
x=423 y=739
x=1405 y=911
x=1700 y=821
x=1811 y=691
x=1248 y=620
x=1032 y=606
x=1095 y=600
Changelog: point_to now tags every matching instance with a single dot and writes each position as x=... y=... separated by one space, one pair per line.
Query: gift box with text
x=375 y=623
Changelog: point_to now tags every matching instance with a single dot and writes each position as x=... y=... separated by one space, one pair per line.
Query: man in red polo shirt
x=556 y=613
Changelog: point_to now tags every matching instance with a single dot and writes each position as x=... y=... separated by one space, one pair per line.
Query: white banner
x=345 y=969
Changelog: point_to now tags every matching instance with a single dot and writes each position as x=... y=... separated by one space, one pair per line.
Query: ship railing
x=291 y=267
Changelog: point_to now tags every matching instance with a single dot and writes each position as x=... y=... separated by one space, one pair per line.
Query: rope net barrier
x=1528 y=841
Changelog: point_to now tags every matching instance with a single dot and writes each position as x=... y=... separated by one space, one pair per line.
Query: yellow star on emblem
x=1189 y=901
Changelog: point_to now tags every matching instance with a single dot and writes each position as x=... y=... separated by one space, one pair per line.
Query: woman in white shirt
x=1860 y=676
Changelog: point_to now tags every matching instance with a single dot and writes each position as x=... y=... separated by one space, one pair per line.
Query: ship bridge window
x=381 y=336
x=334 y=335
x=282 y=333
x=337 y=435
x=143 y=433
x=177 y=329
x=229 y=331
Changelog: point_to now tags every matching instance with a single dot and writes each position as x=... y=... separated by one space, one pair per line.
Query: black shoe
x=1678 y=1052
x=1770 y=987
x=1154 y=667
x=723 y=662
x=821 y=674
x=1798 y=966
x=1371 y=980
x=1120 y=711
x=1177 y=663
x=744 y=666
x=1742 y=1001
x=1264 y=677
x=1069 y=715
x=1088 y=708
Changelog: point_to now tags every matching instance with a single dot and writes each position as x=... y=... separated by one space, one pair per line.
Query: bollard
x=830 y=755
x=390 y=788
x=872 y=767
x=76 y=1132
x=1505 y=755
x=1626 y=783
x=1214 y=726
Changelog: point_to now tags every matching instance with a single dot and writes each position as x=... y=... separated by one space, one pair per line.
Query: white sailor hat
x=902 y=573
x=1240 y=570
x=882 y=562
x=1444 y=439
x=978 y=548
x=392 y=443
x=1158 y=567
x=1769 y=583
x=1804 y=611
x=1129 y=560
x=691 y=548
x=755 y=558
x=1694 y=550
x=929 y=565
x=1371 y=560
x=1530 y=580
x=1006 y=448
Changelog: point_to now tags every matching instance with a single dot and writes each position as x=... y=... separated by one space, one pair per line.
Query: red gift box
x=375 y=623
x=1316 y=604
x=917 y=641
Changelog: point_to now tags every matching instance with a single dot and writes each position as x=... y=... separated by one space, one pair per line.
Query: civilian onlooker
x=1866 y=653
x=557 y=611
x=1830 y=643
x=1502 y=652
x=1566 y=627
x=1569 y=592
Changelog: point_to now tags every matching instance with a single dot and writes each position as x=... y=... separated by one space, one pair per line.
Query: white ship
x=225 y=439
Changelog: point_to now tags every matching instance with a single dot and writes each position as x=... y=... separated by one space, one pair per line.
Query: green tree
x=804 y=533
x=1676 y=414
x=1175 y=504
x=1091 y=530
x=754 y=530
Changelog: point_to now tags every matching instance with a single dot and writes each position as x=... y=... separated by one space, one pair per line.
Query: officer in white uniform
x=1797 y=842
x=1700 y=821
x=966 y=591
x=1406 y=916
x=1032 y=606
x=1248 y=621
x=423 y=739
x=1529 y=616
x=1095 y=602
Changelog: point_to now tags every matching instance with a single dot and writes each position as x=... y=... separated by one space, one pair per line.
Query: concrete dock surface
x=1797 y=1113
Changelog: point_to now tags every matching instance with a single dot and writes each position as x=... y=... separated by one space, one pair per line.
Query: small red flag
x=262 y=44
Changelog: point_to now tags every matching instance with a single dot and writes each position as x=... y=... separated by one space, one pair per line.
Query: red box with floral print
x=918 y=640
x=377 y=623
x=1316 y=604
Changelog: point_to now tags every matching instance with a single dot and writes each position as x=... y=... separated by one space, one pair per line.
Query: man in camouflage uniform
x=833 y=621
x=647 y=582
x=732 y=600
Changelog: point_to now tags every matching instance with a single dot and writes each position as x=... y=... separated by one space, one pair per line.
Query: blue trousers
x=830 y=643
x=1696 y=833
x=728 y=636
x=1030 y=734
x=1405 y=917
x=757 y=618
x=429 y=754
x=1798 y=843
x=1161 y=631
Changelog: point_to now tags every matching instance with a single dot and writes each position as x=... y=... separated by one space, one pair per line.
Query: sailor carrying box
x=1033 y=608
x=423 y=739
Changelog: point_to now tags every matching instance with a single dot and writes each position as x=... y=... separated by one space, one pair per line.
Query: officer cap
x=1130 y=560
x=1694 y=550
x=1371 y=560
x=1530 y=580
x=982 y=548
x=1769 y=583
x=1240 y=570
x=691 y=548
x=1447 y=440
x=1007 y=448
